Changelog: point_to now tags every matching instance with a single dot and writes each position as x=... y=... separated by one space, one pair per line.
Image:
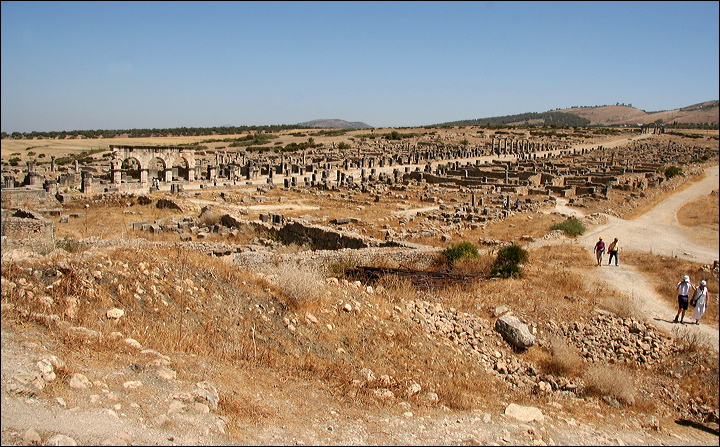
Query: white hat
x=686 y=278
x=703 y=283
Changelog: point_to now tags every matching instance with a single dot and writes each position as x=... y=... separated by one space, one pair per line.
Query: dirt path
x=659 y=232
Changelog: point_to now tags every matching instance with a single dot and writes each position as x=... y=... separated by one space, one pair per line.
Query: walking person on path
x=684 y=288
x=613 y=250
x=599 y=251
x=699 y=301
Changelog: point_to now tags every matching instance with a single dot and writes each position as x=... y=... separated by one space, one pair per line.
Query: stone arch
x=149 y=158
x=128 y=170
x=181 y=168
x=157 y=168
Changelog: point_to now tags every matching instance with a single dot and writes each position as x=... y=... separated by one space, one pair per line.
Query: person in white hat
x=699 y=301
x=684 y=288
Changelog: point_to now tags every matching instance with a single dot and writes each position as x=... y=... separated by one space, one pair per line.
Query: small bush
x=622 y=305
x=571 y=227
x=673 y=171
x=506 y=271
x=396 y=289
x=512 y=254
x=508 y=260
x=460 y=250
x=691 y=340
x=210 y=217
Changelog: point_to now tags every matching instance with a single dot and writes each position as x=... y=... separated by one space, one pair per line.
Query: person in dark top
x=684 y=288
x=613 y=251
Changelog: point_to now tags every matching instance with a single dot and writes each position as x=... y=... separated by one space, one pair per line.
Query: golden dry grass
x=547 y=290
x=611 y=380
x=701 y=212
x=564 y=360
x=234 y=317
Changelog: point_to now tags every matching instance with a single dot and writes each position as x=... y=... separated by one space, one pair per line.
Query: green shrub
x=506 y=271
x=512 y=254
x=571 y=227
x=508 y=260
x=460 y=250
x=673 y=171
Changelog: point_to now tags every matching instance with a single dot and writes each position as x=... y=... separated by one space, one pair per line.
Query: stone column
x=86 y=182
x=115 y=173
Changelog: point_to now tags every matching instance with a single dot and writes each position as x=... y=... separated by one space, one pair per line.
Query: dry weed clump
x=691 y=340
x=376 y=260
x=303 y=285
x=238 y=406
x=397 y=290
x=346 y=261
x=610 y=381
x=622 y=305
x=565 y=359
x=210 y=217
x=481 y=265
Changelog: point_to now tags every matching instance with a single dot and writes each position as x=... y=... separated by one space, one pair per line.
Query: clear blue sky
x=122 y=65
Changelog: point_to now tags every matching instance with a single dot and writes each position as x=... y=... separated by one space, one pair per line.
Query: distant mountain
x=703 y=113
x=335 y=124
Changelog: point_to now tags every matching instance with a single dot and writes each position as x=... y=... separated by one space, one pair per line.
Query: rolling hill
x=335 y=124
x=702 y=113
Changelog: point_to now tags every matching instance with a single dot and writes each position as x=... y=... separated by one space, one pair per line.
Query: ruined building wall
x=34 y=233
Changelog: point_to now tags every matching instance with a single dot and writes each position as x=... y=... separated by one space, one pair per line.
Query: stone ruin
x=530 y=174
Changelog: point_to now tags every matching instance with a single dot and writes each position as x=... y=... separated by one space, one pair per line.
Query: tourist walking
x=613 y=251
x=599 y=250
x=684 y=288
x=700 y=301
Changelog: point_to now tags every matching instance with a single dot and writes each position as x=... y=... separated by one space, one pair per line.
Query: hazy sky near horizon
x=124 y=65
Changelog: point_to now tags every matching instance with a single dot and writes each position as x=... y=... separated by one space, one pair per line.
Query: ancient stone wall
x=20 y=197
x=322 y=238
x=28 y=231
